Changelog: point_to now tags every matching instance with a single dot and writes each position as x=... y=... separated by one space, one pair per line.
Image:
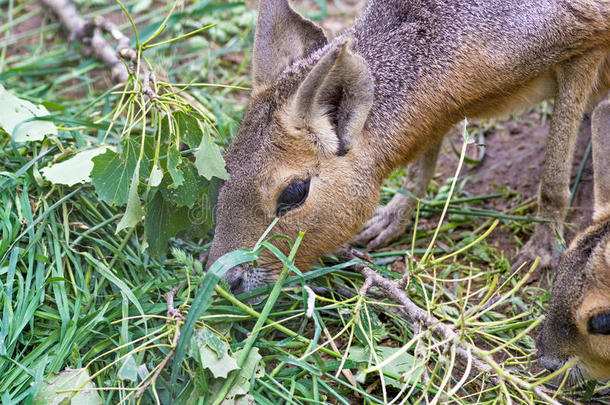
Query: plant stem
x=273 y=296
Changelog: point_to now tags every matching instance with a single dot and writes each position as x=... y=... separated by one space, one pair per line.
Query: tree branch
x=91 y=34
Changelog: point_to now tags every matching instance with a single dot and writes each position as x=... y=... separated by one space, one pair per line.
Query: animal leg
x=388 y=222
x=575 y=81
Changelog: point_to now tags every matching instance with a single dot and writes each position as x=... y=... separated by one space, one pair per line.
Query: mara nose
x=551 y=363
x=235 y=279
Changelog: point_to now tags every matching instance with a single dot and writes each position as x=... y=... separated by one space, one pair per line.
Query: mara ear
x=600 y=129
x=334 y=100
x=281 y=37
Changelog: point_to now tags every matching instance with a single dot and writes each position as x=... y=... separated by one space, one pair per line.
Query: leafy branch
x=164 y=165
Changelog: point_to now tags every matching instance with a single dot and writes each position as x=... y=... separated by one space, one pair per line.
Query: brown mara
x=327 y=120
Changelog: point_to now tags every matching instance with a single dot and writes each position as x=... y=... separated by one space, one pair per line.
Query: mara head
x=301 y=153
x=578 y=319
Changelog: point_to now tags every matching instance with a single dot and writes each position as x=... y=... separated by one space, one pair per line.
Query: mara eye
x=599 y=324
x=292 y=196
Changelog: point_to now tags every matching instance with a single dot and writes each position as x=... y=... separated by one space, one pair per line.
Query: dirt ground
x=514 y=157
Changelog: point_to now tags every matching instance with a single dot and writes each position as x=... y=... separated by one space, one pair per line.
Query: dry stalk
x=175 y=314
x=480 y=359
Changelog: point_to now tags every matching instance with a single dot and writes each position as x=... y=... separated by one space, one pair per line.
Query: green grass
x=78 y=294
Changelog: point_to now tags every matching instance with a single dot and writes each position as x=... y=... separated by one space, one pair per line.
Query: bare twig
x=156 y=375
x=174 y=313
x=415 y=313
x=78 y=28
x=480 y=359
x=90 y=34
x=346 y=372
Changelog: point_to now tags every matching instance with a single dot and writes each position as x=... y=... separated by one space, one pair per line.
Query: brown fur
x=345 y=113
x=582 y=286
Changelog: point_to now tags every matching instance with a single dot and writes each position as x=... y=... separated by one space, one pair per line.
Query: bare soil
x=514 y=157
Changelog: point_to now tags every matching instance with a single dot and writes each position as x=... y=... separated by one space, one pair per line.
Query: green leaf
x=129 y=369
x=173 y=161
x=401 y=365
x=219 y=366
x=205 y=337
x=242 y=384
x=163 y=220
x=149 y=153
x=112 y=173
x=191 y=189
x=208 y=160
x=134 y=211
x=74 y=170
x=68 y=379
x=13 y=111
x=189 y=129
x=369 y=326
x=156 y=175
x=203 y=299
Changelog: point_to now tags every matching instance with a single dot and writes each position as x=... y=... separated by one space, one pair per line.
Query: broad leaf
x=134 y=211
x=156 y=175
x=146 y=165
x=74 y=170
x=205 y=337
x=400 y=366
x=189 y=129
x=112 y=173
x=129 y=369
x=219 y=366
x=163 y=220
x=208 y=160
x=241 y=387
x=68 y=379
x=13 y=111
x=175 y=166
x=192 y=188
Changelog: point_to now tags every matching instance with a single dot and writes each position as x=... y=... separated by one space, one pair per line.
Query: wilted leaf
x=156 y=175
x=134 y=211
x=129 y=369
x=74 y=170
x=13 y=111
x=68 y=379
x=220 y=367
x=241 y=386
x=205 y=337
x=208 y=160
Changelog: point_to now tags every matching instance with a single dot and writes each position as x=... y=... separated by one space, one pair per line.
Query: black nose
x=551 y=363
x=235 y=279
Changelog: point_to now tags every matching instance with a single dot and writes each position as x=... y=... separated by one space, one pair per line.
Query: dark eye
x=292 y=196
x=599 y=324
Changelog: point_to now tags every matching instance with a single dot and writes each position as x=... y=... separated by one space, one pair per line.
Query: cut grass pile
x=78 y=294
